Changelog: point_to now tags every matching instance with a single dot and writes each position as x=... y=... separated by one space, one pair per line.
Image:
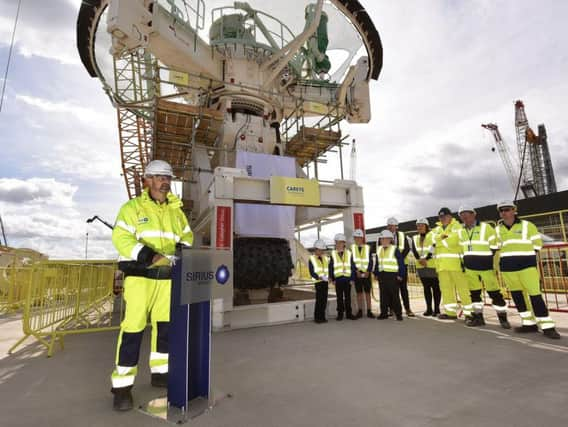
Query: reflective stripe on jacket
x=319 y=269
x=424 y=248
x=341 y=265
x=448 y=250
x=386 y=259
x=518 y=245
x=144 y=228
x=361 y=259
x=478 y=245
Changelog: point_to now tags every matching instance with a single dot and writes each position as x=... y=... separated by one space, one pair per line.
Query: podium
x=199 y=276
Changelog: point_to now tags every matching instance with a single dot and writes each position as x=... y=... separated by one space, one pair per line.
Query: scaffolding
x=310 y=144
x=181 y=127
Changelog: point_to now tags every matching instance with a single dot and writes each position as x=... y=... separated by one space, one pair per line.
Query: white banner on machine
x=262 y=220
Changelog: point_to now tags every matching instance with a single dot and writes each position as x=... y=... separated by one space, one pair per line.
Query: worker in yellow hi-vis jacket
x=479 y=245
x=449 y=266
x=519 y=241
x=146 y=232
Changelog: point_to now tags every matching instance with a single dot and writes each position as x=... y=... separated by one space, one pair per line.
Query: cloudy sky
x=448 y=67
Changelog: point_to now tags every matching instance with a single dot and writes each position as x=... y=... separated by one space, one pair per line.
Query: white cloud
x=36 y=191
x=42 y=214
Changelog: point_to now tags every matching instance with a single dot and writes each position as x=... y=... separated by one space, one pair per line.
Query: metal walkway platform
x=419 y=372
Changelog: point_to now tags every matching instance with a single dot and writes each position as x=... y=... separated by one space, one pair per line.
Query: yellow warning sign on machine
x=294 y=191
x=179 y=78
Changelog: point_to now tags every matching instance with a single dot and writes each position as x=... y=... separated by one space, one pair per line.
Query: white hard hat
x=358 y=233
x=422 y=221
x=465 y=208
x=339 y=237
x=392 y=221
x=386 y=234
x=158 y=167
x=506 y=204
x=320 y=244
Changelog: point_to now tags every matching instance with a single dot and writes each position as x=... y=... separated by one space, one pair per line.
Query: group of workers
x=453 y=260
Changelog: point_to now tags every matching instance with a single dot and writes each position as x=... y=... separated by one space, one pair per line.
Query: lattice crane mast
x=534 y=155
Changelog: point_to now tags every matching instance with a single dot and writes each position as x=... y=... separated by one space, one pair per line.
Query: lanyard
x=470 y=236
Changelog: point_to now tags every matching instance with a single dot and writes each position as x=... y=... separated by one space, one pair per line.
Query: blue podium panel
x=201 y=274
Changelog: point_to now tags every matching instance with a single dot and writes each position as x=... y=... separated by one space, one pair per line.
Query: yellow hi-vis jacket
x=320 y=269
x=386 y=259
x=518 y=245
x=361 y=259
x=341 y=266
x=423 y=249
x=448 y=250
x=478 y=245
x=145 y=228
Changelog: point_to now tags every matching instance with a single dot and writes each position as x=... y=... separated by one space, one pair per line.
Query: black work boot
x=159 y=380
x=339 y=316
x=359 y=314
x=428 y=312
x=476 y=319
x=526 y=329
x=503 y=320
x=122 y=399
x=551 y=333
x=370 y=314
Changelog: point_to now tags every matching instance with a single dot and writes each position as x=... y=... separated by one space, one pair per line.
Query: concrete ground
x=419 y=372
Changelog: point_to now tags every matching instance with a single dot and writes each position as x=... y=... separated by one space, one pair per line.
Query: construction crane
x=511 y=170
x=525 y=159
x=532 y=174
x=534 y=156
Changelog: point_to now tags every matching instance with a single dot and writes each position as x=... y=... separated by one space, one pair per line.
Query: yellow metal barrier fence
x=67 y=297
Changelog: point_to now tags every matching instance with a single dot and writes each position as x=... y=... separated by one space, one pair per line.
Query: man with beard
x=146 y=232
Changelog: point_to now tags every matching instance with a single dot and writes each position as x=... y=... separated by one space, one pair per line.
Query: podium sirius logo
x=222 y=274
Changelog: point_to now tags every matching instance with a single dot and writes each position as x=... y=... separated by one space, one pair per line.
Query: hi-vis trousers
x=143 y=297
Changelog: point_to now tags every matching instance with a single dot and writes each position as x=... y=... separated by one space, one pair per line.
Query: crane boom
x=511 y=170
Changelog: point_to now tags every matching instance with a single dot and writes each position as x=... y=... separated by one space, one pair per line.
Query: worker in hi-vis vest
x=342 y=276
x=362 y=264
x=479 y=245
x=449 y=266
x=403 y=244
x=145 y=234
x=389 y=271
x=519 y=241
x=423 y=250
x=319 y=272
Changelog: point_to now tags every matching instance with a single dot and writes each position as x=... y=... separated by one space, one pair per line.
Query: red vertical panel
x=223 y=227
x=358 y=221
